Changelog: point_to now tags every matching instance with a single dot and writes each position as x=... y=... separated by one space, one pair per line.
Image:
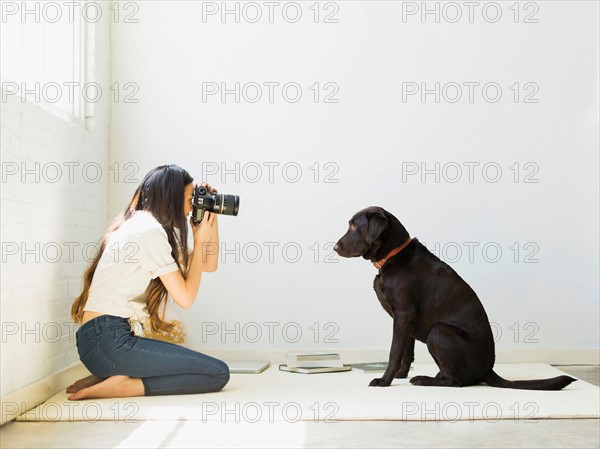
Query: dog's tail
x=553 y=383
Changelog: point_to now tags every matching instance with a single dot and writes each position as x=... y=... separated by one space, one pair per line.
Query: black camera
x=213 y=202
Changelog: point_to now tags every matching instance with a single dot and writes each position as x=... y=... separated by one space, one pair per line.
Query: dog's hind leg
x=437 y=381
x=448 y=346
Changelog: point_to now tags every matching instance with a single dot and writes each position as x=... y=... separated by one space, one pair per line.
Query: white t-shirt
x=136 y=253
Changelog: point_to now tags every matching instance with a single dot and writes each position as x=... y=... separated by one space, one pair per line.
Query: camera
x=213 y=202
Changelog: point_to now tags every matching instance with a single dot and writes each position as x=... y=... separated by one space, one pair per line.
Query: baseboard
x=537 y=355
x=22 y=400
x=29 y=397
x=549 y=356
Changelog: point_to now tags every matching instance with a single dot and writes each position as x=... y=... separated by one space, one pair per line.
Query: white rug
x=281 y=396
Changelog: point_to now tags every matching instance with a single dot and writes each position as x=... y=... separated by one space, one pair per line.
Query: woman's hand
x=203 y=229
x=209 y=188
x=184 y=290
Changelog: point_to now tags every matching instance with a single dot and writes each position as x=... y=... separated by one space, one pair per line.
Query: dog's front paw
x=379 y=382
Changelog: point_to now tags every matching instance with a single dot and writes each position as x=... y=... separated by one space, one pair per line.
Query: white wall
x=54 y=203
x=373 y=139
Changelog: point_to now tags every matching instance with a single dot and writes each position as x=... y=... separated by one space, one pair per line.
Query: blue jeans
x=107 y=347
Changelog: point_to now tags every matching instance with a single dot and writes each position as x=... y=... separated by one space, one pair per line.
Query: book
x=315 y=370
x=372 y=367
x=247 y=366
x=313 y=355
x=315 y=363
x=313 y=359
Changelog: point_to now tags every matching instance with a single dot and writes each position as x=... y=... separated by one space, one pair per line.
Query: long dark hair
x=160 y=193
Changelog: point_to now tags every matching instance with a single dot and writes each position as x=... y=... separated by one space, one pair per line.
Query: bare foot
x=83 y=383
x=111 y=387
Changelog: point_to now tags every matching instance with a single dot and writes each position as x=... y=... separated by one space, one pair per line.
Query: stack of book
x=313 y=362
x=371 y=368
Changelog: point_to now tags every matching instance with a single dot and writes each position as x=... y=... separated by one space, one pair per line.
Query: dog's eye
x=353 y=227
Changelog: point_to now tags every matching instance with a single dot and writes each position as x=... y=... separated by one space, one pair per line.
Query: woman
x=137 y=266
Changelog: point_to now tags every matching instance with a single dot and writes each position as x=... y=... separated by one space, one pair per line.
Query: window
x=41 y=54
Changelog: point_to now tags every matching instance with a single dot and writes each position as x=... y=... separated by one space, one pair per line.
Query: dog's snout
x=336 y=247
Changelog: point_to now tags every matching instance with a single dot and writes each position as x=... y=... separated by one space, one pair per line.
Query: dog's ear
x=376 y=223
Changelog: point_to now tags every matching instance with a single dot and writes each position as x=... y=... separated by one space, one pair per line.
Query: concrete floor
x=548 y=433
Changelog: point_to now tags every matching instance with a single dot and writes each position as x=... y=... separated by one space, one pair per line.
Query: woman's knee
x=223 y=374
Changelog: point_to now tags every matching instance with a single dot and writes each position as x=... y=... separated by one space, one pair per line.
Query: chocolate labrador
x=431 y=303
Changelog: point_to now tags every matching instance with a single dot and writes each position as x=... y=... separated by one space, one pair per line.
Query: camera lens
x=227 y=204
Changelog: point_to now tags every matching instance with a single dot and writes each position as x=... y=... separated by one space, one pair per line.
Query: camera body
x=213 y=202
